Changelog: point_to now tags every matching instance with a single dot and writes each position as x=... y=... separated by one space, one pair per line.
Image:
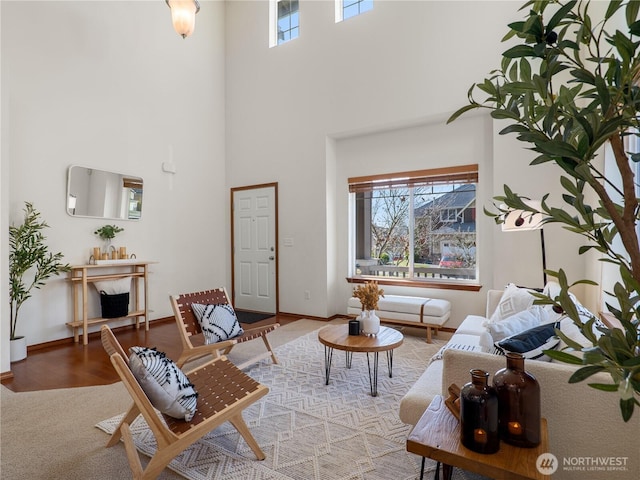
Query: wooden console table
x=80 y=277
x=437 y=436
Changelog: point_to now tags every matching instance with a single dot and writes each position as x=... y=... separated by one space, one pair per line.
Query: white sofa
x=585 y=426
x=466 y=337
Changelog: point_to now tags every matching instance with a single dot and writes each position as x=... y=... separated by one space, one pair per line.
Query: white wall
x=110 y=85
x=368 y=82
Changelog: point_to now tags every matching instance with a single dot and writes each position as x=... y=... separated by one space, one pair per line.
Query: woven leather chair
x=224 y=392
x=193 y=345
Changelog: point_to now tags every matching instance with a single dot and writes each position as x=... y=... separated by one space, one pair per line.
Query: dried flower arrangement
x=368 y=294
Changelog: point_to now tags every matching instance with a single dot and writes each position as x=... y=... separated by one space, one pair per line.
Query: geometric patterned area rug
x=309 y=430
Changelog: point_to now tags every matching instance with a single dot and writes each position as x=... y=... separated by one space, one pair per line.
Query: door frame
x=274 y=185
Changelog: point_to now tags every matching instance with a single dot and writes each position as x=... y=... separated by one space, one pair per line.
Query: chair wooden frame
x=224 y=392
x=191 y=335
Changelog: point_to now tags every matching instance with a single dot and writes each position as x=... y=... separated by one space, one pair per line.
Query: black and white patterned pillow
x=166 y=386
x=218 y=322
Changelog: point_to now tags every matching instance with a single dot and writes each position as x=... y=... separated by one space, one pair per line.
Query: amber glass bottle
x=479 y=414
x=518 y=403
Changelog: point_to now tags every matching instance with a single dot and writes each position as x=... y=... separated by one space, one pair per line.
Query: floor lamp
x=523 y=221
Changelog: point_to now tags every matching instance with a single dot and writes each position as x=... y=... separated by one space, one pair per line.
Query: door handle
x=272 y=257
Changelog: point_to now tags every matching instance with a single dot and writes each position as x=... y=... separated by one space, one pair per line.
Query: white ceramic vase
x=370 y=322
x=17 y=349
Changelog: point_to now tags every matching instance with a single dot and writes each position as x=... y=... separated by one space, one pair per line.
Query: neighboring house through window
x=350 y=8
x=284 y=21
x=417 y=226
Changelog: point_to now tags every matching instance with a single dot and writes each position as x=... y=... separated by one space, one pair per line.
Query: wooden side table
x=337 y=336
x=437 y=436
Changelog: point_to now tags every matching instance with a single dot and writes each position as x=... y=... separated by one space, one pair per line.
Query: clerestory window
x=350 y=8
x=418 y=226
x=284 y=19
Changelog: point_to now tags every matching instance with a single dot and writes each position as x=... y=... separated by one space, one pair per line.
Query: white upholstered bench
x=421 y=312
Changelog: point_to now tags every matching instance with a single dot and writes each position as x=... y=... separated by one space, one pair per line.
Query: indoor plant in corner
x=569 y=88
x=30 y=266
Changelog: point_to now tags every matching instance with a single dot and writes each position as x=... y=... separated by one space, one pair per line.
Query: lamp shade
x=523 y=220
x=183 y=15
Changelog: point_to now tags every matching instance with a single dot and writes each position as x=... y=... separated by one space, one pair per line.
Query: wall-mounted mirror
x=101 y=194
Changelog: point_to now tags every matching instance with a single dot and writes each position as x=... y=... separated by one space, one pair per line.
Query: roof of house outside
x=463 y=196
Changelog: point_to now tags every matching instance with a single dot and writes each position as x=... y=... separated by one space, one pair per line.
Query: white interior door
x=254 y=249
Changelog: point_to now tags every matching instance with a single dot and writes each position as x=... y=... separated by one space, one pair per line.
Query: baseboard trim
x=6 y=376
x=310 y=317
x=69 y=340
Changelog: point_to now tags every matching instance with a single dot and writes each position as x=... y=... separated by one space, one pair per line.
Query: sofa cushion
x=419 y=396
x=394 y=303
x=401 y=304
x=472 y=325
x=436 y=307
x=460 y=341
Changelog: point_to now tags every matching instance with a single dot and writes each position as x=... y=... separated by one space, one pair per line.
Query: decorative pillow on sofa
x=531 y=343
x=166 y=386
x=521 y=321
x=514 y=299
x=218 y=322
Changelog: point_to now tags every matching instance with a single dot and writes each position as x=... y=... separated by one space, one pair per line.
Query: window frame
x=274 y=22
x=456 y=174
x=339 y=9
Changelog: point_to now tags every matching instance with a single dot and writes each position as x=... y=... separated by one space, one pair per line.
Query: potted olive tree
x=30 y=266
x=569 y=88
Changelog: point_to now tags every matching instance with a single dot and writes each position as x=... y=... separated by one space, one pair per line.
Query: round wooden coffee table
x=337 y=337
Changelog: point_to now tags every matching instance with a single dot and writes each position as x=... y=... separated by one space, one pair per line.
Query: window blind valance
x=461 y=174
x=131 y=183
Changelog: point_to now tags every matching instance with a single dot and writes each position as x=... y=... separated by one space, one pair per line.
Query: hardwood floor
x=77 y=365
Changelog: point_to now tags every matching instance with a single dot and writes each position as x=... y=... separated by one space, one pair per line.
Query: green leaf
x=462 y=110
x=517 y=26
x=525 y=70
x=558 y=148
x=515 y=128
x=519 y=51
x=614 y=5
x=559 y=16
x=631 y=12
x=563 y=357
x=603 y=93
x=625 y=46
x=504 y=114
x=626 y=408
x=585 y=372
x=584 y=76
x=605 y=387
x=634 y=28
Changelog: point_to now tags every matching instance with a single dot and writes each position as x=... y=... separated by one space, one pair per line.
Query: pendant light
x=183 y=15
